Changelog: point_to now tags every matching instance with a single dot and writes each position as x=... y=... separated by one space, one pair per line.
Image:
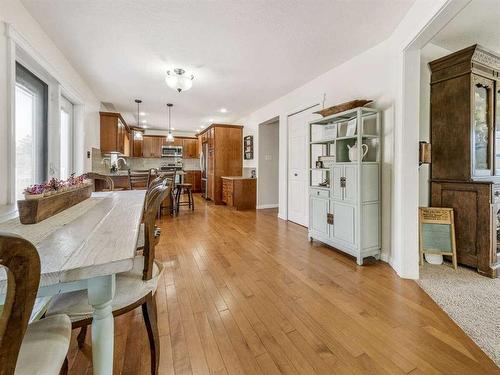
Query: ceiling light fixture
x=178 y=80
x=223 y=110
x=170 y=136
x=138 y=134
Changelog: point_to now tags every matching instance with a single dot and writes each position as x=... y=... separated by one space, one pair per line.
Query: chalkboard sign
x=437 y=232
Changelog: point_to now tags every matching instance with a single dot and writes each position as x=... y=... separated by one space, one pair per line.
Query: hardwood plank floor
x=246 y=293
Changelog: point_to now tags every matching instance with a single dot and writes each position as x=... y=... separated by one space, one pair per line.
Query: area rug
x=471 y=300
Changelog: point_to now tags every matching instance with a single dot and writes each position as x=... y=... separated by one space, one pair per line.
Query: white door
x=298 y=172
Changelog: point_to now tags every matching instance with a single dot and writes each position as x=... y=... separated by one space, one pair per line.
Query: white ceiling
x=243 y=54
x=477 y=23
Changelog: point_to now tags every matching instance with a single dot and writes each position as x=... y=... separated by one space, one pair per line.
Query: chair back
x=153 y=201
x=158 y=180
x=22 y=265
x=96 y=176
x=139 y=179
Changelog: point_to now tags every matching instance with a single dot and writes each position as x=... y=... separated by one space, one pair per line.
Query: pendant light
x=170 y=136
x=137 y=133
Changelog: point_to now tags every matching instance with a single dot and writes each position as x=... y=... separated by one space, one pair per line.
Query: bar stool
x=181 y=189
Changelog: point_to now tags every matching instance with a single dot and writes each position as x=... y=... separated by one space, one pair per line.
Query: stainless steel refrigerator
x=203 y=167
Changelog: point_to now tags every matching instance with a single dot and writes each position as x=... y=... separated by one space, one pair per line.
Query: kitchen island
x=239 y=192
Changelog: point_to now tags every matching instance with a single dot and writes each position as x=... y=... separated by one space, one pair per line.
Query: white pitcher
x=353 y=151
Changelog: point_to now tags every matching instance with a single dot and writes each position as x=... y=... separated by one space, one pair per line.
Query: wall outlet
x=88 y=154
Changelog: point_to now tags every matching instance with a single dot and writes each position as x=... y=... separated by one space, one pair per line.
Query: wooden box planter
x=32 y=211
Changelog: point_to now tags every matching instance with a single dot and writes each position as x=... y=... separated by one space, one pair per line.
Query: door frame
x=404 y=236
x=287 y=164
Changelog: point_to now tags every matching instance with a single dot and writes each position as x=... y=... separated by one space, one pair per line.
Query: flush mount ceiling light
x=178 y=80
x=170 y=136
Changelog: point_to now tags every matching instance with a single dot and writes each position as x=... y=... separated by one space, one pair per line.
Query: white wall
x=268 y=177
x=429 y=53
x=14 y=15
x=375 y=74
x=367 y=75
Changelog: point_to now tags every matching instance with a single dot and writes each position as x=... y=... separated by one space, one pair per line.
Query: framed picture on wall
x=248 y=147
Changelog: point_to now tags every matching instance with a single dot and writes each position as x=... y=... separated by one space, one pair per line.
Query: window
x=66 y=139
x=31 y=98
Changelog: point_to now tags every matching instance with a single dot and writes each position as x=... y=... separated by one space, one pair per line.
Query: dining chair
x=169 y=202
x=100 y=177
x=37 y=348
x=139 y=179
x=161 y=179
x=133 y=288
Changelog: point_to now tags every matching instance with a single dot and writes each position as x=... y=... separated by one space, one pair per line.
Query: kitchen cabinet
x=136 y=143
x=199 y=146
x=189 y=146
x=151 y=146
x=193 y=178
x=239 y=192
x=224 y=156
x=114 y=133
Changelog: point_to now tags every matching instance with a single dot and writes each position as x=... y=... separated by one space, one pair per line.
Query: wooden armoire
x=465 y=138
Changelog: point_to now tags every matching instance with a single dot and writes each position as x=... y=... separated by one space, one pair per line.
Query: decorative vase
x=353 y=151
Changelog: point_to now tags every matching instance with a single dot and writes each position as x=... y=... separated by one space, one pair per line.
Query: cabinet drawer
x=319 y=193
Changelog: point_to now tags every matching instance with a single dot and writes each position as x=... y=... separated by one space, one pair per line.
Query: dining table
x=83 y=248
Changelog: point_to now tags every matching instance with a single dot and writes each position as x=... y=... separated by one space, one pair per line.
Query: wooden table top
x=96 y=241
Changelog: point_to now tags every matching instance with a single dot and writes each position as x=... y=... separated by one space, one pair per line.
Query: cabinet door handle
x=342 y=182
x=329 y=219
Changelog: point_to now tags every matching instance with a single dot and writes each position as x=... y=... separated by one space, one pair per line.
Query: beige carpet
x=471 y=300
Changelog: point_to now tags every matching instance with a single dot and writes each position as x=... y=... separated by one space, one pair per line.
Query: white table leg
x=100 y=293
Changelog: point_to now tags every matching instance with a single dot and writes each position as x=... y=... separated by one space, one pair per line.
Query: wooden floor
x=246 y=293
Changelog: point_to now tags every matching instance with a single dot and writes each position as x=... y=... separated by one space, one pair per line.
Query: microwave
x=171 y=151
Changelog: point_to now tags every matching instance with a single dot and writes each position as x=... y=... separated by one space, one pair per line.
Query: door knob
x=295 y=174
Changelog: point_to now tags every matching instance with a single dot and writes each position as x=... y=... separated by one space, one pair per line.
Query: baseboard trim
x=264 y=206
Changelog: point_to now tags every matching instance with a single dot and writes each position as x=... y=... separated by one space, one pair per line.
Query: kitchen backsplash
x=138 y=163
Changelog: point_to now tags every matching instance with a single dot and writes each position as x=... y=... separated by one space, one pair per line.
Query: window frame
x=20 y=50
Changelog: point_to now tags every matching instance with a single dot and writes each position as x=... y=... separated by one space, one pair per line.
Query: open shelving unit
x=344 y=192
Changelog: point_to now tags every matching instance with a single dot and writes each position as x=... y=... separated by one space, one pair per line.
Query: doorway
x=268 y=164
x=298 y=173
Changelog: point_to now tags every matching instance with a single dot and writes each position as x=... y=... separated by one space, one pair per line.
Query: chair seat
x=130 y=288
x=44 y=346
x=140 y=239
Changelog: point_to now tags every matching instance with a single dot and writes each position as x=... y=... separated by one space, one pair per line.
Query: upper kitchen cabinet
x=115 y=134
x=152 y=146
x=189 y=148
x=136 y=143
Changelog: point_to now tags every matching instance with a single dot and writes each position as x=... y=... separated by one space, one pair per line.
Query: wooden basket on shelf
x=343 y=107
